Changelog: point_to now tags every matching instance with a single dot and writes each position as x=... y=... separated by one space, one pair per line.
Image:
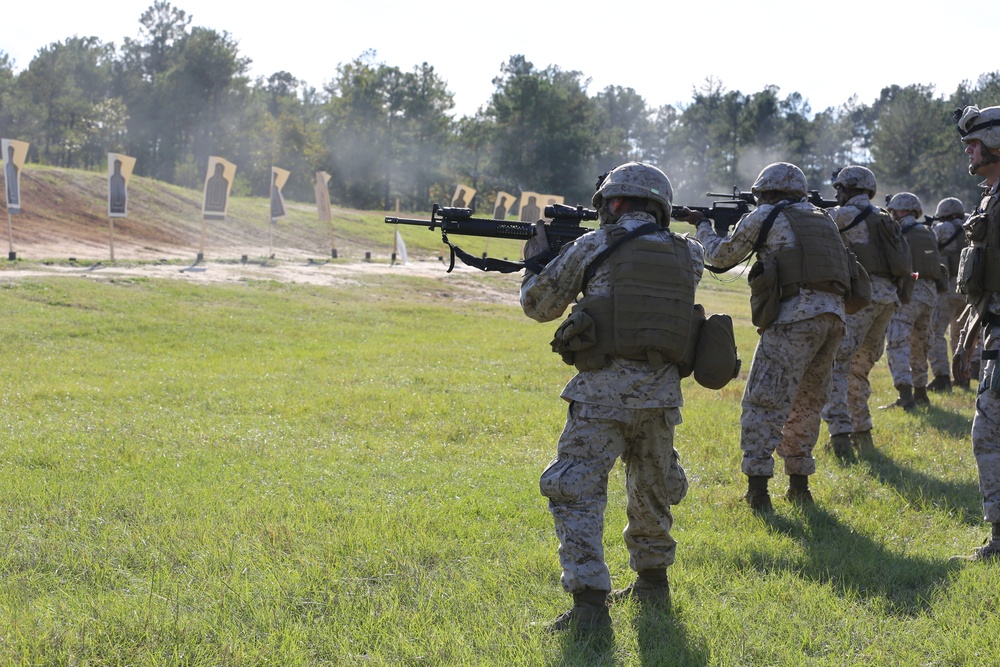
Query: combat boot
x=841 y=446
x=588 y=616
x=650 y=586
x=863 y=442
x=941 y=384
x=905 y=399
x=920 y=396
x=798 y=490
x=757 y=497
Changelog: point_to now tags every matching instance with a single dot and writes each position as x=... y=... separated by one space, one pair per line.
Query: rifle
x=817 y=200
x=724 y=213
x=564 y=228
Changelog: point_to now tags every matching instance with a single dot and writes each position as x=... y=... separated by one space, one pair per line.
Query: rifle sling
x=765 y=229
x=857 y=220
x=948 y=242
x=535 y=264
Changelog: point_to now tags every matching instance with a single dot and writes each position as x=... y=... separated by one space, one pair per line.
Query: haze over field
x=671 y=50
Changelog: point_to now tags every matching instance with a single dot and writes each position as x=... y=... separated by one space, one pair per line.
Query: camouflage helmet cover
x=982 y=124
x=950 y=207
x=783 y=177
x=856 y=177
x=639 y=180
x=905 y=201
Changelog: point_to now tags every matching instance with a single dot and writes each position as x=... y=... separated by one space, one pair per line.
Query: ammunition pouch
x=904 y=287
x=860 y=294
x=765 y=292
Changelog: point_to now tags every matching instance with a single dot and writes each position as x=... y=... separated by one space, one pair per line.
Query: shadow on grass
x=855 y=565
x=960 y=499
x=663 y=640
x=953 y=423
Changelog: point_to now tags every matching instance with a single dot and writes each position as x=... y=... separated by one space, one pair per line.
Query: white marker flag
x=399 y=248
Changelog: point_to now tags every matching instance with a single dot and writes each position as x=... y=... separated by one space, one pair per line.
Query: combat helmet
x=640 y=180
x=783 y=177
x=982 y=124
x=856 y=177
x=906 y=201
x=949 y=207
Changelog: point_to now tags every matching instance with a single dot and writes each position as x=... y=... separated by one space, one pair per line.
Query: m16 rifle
x=817 y=200
x=564 y=228
x=724 y=213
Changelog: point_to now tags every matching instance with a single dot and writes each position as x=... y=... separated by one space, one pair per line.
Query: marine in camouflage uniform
x=847 y=414
x=951 y=239
x=626 y=410
x=789 y=377
x=980 y=130
x=908 y=335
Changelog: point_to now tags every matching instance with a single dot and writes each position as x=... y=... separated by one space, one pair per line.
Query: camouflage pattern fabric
x=788 y=385
x=945 y=319
x=949 y=304
x=986 y=432
x=986 y=423
x=627 y=410
x=722 y=252
x=864 y=340
x=908 y=336
x=576 y=484
x=789 y=377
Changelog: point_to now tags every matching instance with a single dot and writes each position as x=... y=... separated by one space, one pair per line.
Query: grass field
x=279 y=474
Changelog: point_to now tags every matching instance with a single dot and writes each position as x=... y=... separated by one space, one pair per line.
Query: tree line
x=177 y=93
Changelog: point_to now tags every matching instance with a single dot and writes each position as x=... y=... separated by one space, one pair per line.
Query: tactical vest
x=979 y=270
x=923 y=250
x=875 y=255
x=650 y=311
x=818 y=262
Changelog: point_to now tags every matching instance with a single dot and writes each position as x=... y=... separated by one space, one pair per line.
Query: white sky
x=663 y=50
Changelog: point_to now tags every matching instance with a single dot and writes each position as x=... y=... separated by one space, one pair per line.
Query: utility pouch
x=576 y=333
x=976 y=228
x=765 y=293
x=970 y=272
x=860 y=295
x=716 y=360
x=904 y=287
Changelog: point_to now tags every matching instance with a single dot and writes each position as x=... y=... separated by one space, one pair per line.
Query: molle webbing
x=818 y=262
x=923 y=250
x=649 y=313
x=872 y=255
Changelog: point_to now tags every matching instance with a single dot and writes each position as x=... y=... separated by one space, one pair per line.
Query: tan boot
x=842 y=447
x=588 y=615
x=650 y=586
x=905 y=399
x=863 y=441
x=798 y=490
x=757 y=496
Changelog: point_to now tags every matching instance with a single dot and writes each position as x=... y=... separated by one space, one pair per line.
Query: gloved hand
x=538 y=243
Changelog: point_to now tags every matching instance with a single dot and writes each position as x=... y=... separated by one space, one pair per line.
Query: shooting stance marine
x=950 y=234
x=797 y=287
x=879 y=247
x=626 y=337
x=979 y=280
x=909 y=333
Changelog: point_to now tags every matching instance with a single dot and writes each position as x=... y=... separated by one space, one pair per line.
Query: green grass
x=271 y=474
